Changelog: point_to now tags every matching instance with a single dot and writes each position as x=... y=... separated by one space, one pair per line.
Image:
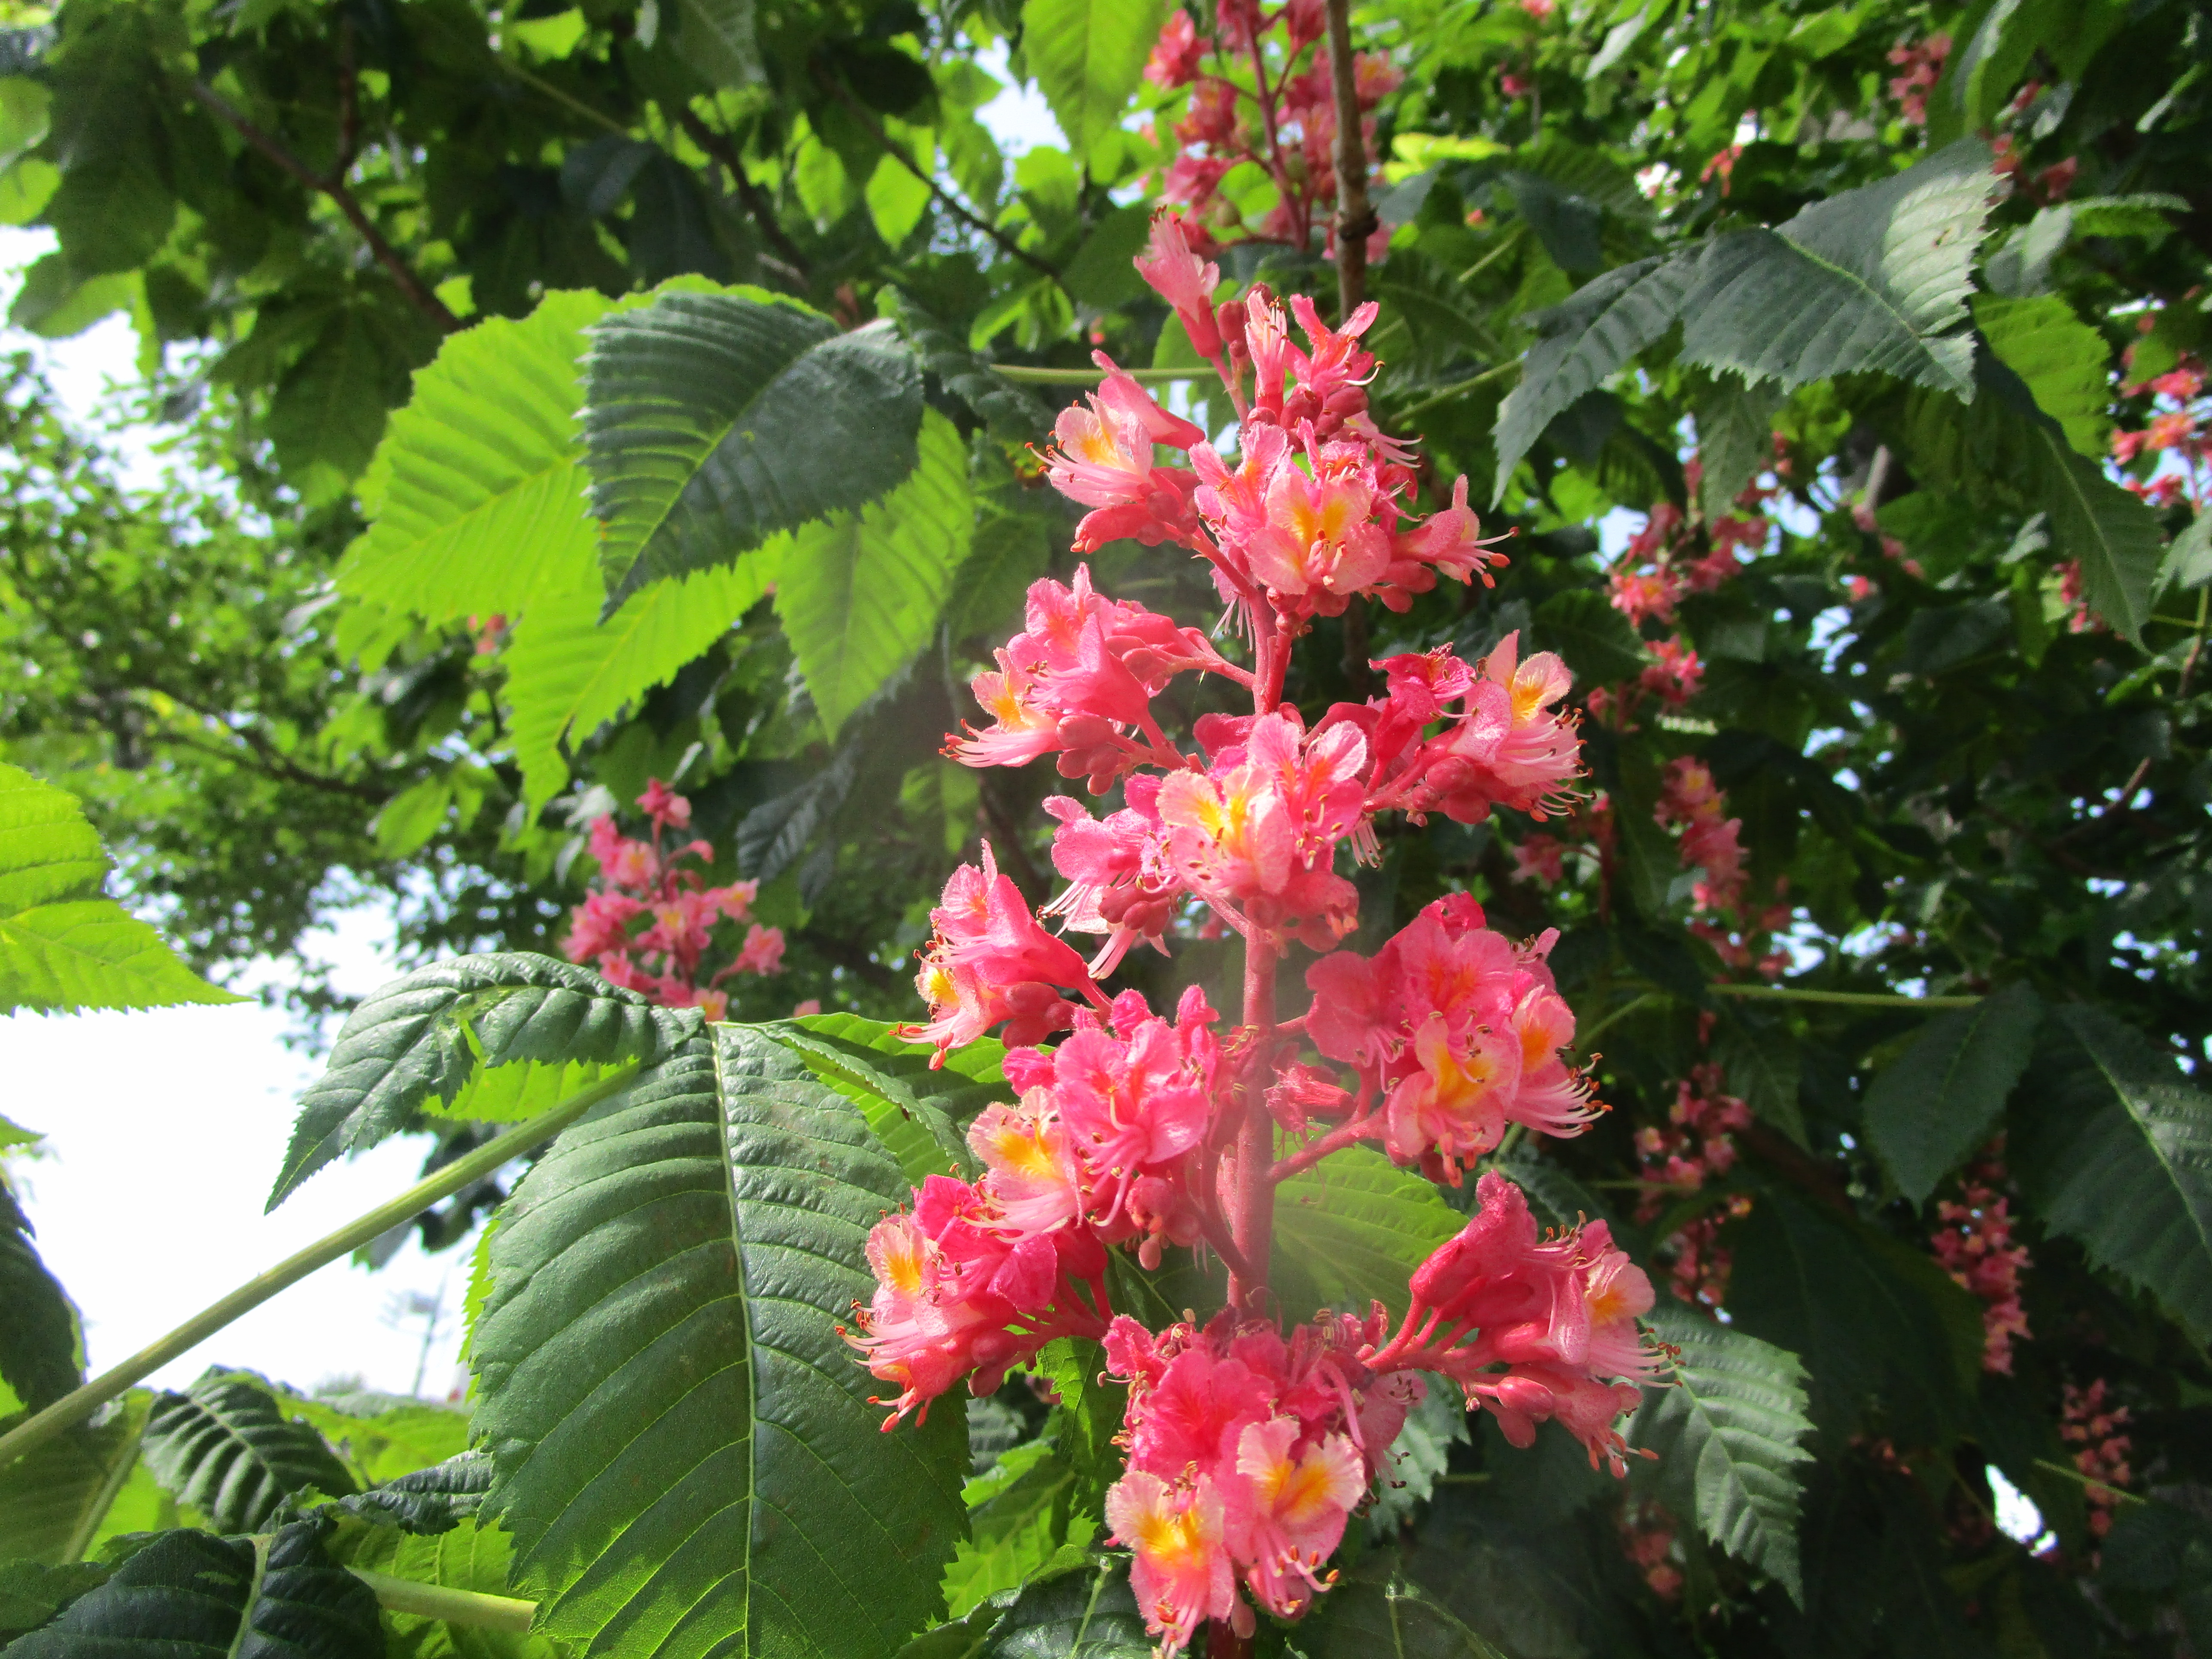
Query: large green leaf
x=1088 y=57
x=1351 y=1230
x=193 y=1595
x=62 y=946
x=227 y=1448
x=422 y=1038
x=1729 y=1434
x=687 y=1456
x=53 y=1499
x=477 y=494
x=1584 y=342
x=1013 y=412
x=1735 y=434
x=1378 y=1613
x=567 y=670
x=31 y=1593
x=712 y=421
x=1081 y=1612
x=2117 y=1151
x=2064 y=363
x=860 y=591
x=919 y=1113
x=464 y=1557
x=1873 y=280
x=717 y=39
x=1934 y=1103
x=39 y=1356
x=2113 y=533
x=327 y=413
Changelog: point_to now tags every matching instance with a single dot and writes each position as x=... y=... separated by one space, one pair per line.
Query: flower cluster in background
x=1260 y=94
x=1974 y=1243
x=649 y=925
x=1647 y=1538
x=2093 y=1427
x=1696 y=1144
x=1920 y=66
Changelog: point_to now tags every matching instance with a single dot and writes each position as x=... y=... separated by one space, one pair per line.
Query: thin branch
x=474 y=1608
x=950 y=203
x=1355 y=217
x=718 y=146
x=1845 y=998
x=409 y=283
x=1030 y=376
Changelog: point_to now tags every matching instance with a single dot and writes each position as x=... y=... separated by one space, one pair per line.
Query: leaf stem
x=455 y=1606
x=2088 y=1481
x=1585 y=1038
x=1459 y=387
x=75 y=1407
x=1843 y=999
x=1032 y=376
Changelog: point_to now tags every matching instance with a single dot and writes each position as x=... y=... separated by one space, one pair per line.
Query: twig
x=1584 y=1039
x=1845 y=998
x=1355 y=218
x=950 y=203
x=409 y=283
x=757 y=203
x=75 y=1407
x=1459 y=388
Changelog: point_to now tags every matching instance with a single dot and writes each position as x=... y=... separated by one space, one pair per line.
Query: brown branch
x=950 y=203
x=1355 y=217
x=409 y=283
x=720 y=148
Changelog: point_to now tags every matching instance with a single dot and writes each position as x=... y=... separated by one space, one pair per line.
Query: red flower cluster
x=2093 y=1427
x=1263 y=102
x=646 y=879
x=1975 y=1246
x=1647 y=1538
x=1921 y=62
x=1696 y=1144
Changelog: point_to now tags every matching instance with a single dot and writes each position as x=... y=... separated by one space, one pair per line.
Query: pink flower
x=1287 y=1515
x=1184 y=281
x=1175 y=56
x=991 y=961
x=667 y=809
x=762 y=952
x=1182 y=1571
x=1539 y=858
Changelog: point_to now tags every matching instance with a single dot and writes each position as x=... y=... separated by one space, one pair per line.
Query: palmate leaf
x=1736 y=430
x=860 y=591
x=1080 y=1610
x=1599 y=646
x=1088 y=56
x=30 y=1594
x=1934 y=1103
x=1584 y=342
x=54 y=1498
x=2115 y=1150
x=717 y=38
x=227 y=1448
x=712 y=421
x=39 y=1340
x=1873 y=280
x=62 y=946
x=193 y=1595
x=421 y=1039
x=687 y=1457
x=1351 y=1230
x=920 y=1114
x=463 y=1556
x=1729 y=1436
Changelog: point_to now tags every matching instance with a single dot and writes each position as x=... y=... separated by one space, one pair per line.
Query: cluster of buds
x=1921 y=66
x=1250 y=1448
x=2093 y=1429
x=1696 y=1144
x=1268 y=99
x=1670 y=556
x=1974 y=1243
x=662 y=886
x=1689 y=799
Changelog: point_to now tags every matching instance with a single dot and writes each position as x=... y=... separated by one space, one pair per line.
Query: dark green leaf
x=39 y=1356
x=1351 y=1230
x=2116 y=1151
x=1382 y=1615
x=714 y=420
x=1084 y=1612
x=716 y=37
x=466 y=1557
x=1012 y=412
x=1931 y=1107
x=31 y=1593
x=1596 y=640
x=227 y=1447
x=2113 y=533
x=918 y=1112
x=683 y=1438
x=1735 y=439
x=432 y=1500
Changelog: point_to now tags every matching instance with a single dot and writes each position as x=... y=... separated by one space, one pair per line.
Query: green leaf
x=1013 y=412
x=31 y=1593
x=1419 y=1457
x=327 y=413
x=1086 y=1611
x=717 y=39
x=920 y=1114
x=2113 y=533
x=712 y=421
x=421 y=1039
x=1763 y=1064
x=1019 y=1521
x=567 y=671
x=2116 y=1151
x=54 y=1498
x=1381 y=1615
x=1735 y=439
x=2063 y=361
x=2188 y=561
x=1931 y=1107
x=1088 y=57
x=1091 y=1412
x=1596 y=640
x=476 y=493
x=192 y=1596
x=1584 y=342
x=1873 y=280
x=385 y=1436
x=1729 y=1436
x=463 y=1556
x=47 y=850
x=227 y=1448
x=683 y=1440
x=861 y=592
x=1351 y=1228
x=41 y=1350
x=429 y=1501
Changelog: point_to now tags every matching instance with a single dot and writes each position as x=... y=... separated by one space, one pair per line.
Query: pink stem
x=1345 y=1134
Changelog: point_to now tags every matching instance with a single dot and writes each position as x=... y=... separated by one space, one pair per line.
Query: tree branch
x=409 y=284
x=1355 y=217
x=720 y=148
x=950 y=203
